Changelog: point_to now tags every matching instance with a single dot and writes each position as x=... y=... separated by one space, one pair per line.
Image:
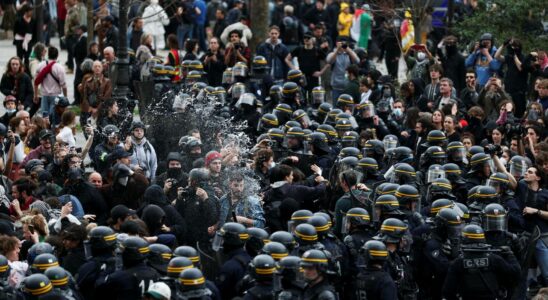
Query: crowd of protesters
x=296 y=169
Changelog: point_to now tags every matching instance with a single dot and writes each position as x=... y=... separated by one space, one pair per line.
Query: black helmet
x=374 y=148
x=290 y=124
x=478 y=161
x=344 y=100
x=498 y=180
x=178 y=264
x=231 y=234
x=320 y=224
x=518 y=166
x=392 y=230
x=456 y=152
x=191 y=279
x=433 y=155
x=390 y=141
x=368 y=165
x=199 y=175
x=188 y=252
x=298 y=217
x=44 y=261
x=435 y=172
x=447 y=220
x=494 y=218
x=472 y=193
x=258 y=237
x=356 y=217
x=58 y=277
x=404 y=173
x=387 y=203
x=436 y=138
x=439 y=205
x=402 y=154
x=36 y=285
x=375 y=252
x=159 y=255
x=289 y=267
x=389 y=188
x=315 y=258
x=343 y=125
x=295 y=132
x=4 y=268
x=269 y=121
x=350 y=139
x=473 y=234
x=294 y=75
x=259 y=63
x=102 y=237
x=318 y=96
x=452 y=171
x=319 y=141
x=276 y=250
x=240 y=69
x=134 y=249
x=263 y=267
x=325 y=216
x=283 y=112
x=324 y=108
x=487 y=194
x=37 y=249
x=465 y=211
x=111 y=131
x=275 y=93
x=329 y=131
x=474 y=150
x=290 y=89
x=276 y=134
x=440 y=187
x=350 y=151
x=305 y=234
x=332 y=116
x=285 y=238
x=407 y=194
x=347 y=163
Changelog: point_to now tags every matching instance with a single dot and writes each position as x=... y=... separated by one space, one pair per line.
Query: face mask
x=397 y=112
x=173 y=172
x=11 y=111
x=421 y=56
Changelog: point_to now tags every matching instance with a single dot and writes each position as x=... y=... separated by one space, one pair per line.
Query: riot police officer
x=229 y=244
x=63 y=282
x=6 y=291
x=135 y=277
x=408 y=198
x=480 y=273
x=316 y=265
x=192 y=285
x=373 y=282
x=357 y=232
x=306 y=238
x=262 y=269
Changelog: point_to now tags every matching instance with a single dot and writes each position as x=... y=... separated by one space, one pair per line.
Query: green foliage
x=506 y=19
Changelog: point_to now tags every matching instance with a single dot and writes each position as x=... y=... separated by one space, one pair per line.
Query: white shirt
x=66 y=136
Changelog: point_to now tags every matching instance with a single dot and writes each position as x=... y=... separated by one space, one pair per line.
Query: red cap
x=211 y=156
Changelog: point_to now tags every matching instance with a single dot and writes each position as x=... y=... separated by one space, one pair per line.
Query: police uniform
x=322 y=290
x=91 y=271
x=232 y=271
x=129 y=283
x=373 y=283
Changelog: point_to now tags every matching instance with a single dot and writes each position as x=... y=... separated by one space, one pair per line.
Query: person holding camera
x=173 y=178
x=214 y=63
x=236 y=50
x=341 y=57
x=481 y=59
x=515 y=78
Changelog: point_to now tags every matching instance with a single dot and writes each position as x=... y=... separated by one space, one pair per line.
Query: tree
x=506 y=19
x=259 y=22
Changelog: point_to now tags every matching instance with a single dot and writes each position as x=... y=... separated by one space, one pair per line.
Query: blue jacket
x=275 y=55
x=483 y=69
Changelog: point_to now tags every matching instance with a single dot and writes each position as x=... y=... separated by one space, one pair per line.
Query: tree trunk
x=91 y=25
x=258 y=11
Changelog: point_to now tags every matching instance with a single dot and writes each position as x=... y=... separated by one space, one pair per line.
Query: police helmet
x=4 y=268
x=102 y=237
x=465 y=211
x=269 y=121
x=318 y=96
x=315 y=259
x=263 y=267
x=324 y=108
x=37 y=249
x=374 y=148
x=407 y=194
x=355 y=217
x=285 y=238
x=111 y=131
x=389 y=188
x=499 y=181
x=495 y=218
x=58 y=277
x=259 y=63
x=159 y=255
x=36 y=285
x=350 y=151
x=276 y=250
x=448 y=220
x=276 y=134
x=188 y=252
x=294 y=75
x=134 y=249
x=44 y=261
x=368 y=165
x=456 y=151
x=478 y=161
x=473 y=234
x=402 y=154
x=191 y=279
x=344 y=100
x=329 y=131
x=375 y=252
x=387 y=204
x=392 y=230
x=320 y=224
x=233 y=235
x=518 y=166
x=305 y=234
x=440 y=204
x=390 y=141
x=436 y=138
x=433 y=155
x=404 y=173
x=258 y=237
x=178 y=264
x=289 y=89
x=452 y=171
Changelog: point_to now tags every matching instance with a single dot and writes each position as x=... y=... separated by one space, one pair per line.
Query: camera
x=188 y=192
x=344 y=45
x=209 y=53
x=493 y=149
x=237 y=46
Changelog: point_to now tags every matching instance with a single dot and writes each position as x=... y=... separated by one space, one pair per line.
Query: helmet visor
x=237 y=91
x=218 y=241
x=227 y=77
x=318 y=96
x=497 y=222
x=518 y=168
x=389 y=143
x=457 y=154
x=435 y=172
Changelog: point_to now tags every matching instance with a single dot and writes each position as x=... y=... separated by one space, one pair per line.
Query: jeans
x=199 y=33
x=541 y=254
x=47 y=105
x=184 y=31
